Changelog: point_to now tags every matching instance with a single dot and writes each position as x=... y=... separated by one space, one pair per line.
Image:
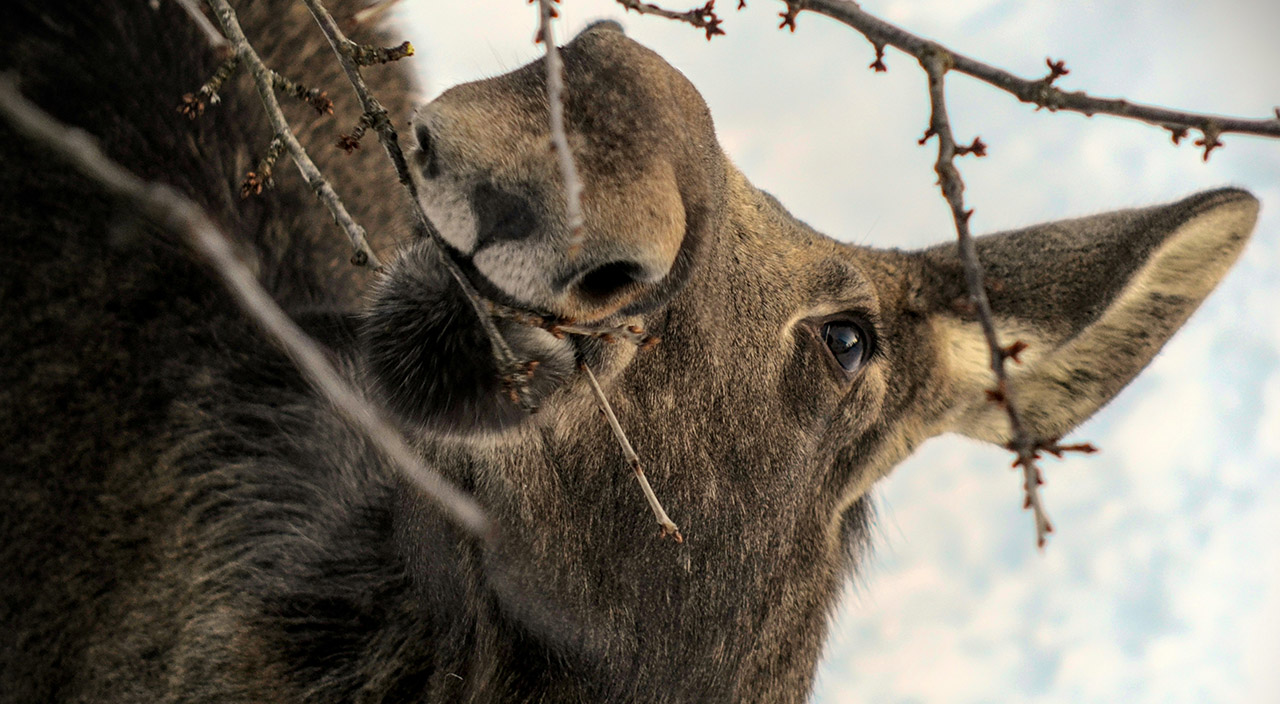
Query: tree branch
x=1041 y=92
x=376 y=115
x=560 y=140
x=173 y=211
x=216 y=41
x=935 y=62
x=265 y=79
x=668 y=527
x=701 y=17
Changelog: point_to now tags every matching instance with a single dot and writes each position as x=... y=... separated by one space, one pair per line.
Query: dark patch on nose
x=501 y=215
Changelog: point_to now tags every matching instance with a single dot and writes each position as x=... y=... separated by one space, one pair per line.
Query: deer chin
x=430 y=361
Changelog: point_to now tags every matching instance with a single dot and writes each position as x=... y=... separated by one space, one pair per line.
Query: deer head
x=794 y=371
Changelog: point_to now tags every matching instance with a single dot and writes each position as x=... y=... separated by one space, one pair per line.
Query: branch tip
x=878 y=65
x=789 y=15
x=1057 y=69
x=1012 y=351
x=703 y=17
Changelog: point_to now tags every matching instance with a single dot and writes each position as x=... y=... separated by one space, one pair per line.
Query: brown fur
x=184 y=521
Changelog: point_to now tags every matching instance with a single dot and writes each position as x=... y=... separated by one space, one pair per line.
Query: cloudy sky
x=1163 y=582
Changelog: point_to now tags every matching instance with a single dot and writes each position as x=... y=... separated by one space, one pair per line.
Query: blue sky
x=1163 y=581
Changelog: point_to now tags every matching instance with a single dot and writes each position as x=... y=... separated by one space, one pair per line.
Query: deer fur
x=184 y=520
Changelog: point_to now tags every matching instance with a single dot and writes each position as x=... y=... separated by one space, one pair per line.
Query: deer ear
x=1093 y=300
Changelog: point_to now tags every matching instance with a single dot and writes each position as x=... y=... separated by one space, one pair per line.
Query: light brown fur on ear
x=1070 y=371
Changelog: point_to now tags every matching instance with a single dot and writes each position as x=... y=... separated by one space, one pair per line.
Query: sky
x=1162 y=583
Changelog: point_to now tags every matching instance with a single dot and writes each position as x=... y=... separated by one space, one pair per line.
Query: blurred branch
x=216 y=41
x=574 y=221
x=555 y=106
x=168 y=208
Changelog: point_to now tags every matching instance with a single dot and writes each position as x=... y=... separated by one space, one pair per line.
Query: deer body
x=185 y=521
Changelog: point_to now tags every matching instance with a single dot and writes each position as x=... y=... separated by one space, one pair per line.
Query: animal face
x=191 y=523
x=794 y=371
x=848 y=352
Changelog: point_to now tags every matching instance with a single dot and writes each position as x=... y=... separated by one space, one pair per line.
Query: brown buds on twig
x=978 y=148
x=1057 y=69
x=789 y=15
x=255 y=181
x=193 y=103
x=266 y=82
x=1050 y=446
x=351 y=141
x=368 y=55
x=1012 y=351
x=1040 y=92
x=1210 y=139
x=316 y=98
x=878 y=65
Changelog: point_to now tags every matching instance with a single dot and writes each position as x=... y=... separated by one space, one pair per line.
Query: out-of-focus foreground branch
x=573 y=187
x=171 y=210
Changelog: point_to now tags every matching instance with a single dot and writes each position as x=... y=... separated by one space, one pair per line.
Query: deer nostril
x=607 y=280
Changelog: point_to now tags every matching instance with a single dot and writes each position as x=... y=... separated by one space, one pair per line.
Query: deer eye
x=848 y=343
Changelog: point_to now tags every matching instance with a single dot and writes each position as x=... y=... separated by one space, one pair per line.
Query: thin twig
x=560 y=140
x=560 y=327
x=703 y=18
x=192 y=104
x=170 y=209
x=668 y=527
x=264 y=78
x=376 y=115
x=935 y=63
x=1040 y=92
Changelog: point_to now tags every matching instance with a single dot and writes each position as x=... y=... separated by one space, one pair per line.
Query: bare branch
x=560 y=140
x=1040 y=92
x=192 y=104
x=265 y=79
x=936 y=61
x=254 y=181
x=376 y=115
x=170 y=209
x=701 y=17
x=668 y=526
x=559 y=327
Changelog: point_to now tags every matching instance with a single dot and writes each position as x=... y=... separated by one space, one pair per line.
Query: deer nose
x=610 y=284
x=524 y=251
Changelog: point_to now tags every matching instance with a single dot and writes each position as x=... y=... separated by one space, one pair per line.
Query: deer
x=185 y=520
